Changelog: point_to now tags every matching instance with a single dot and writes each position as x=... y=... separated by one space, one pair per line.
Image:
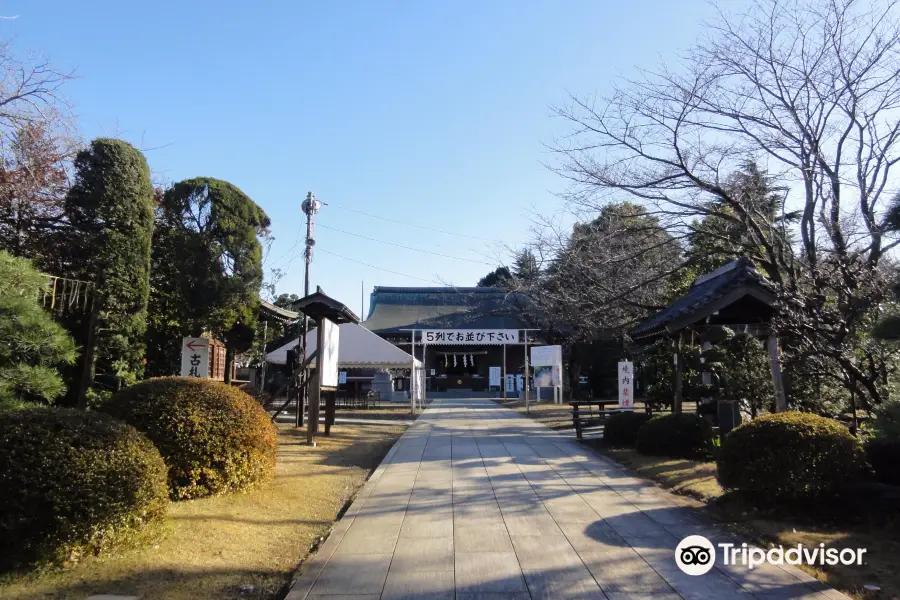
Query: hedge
x=790 y=456
x=884 y=457
x=684 y=435
x=622 y=427
x=214 y=438
x=74 y=483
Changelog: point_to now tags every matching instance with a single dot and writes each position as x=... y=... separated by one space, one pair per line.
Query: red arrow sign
x=194 y=345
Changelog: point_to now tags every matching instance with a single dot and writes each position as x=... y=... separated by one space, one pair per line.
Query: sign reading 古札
x=195 y=357
x=461 y=337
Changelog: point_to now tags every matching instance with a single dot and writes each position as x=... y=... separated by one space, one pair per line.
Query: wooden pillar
x=775 y=365
x=679 y=374
x=313 y=416
x=330 y=400
x=503 y=379
x=314 y=393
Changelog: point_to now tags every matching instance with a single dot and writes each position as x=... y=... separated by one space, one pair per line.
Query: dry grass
x=555 y=416
x=216 y=545
x=697 y=481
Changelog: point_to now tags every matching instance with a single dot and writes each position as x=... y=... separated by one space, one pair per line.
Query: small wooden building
x=736 y=296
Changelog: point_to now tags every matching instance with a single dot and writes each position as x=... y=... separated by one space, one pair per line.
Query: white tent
x=358 y=347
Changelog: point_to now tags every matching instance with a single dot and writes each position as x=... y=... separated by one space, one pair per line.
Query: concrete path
x=475 y=502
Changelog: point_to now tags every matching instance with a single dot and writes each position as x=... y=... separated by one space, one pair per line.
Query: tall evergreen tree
x=208 y=266
x=110 y=207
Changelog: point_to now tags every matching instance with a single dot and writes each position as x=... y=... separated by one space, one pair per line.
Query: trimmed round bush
x=621 y=428
x=790 y=456
x=884 y=457
x=74 y=483
x=214 y=438
x=685 y=435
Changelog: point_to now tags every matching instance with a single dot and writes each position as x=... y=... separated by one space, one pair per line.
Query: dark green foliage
x=888 y=328
x=32 y=345
x=216 y=225
x=883 y=455
x=285 y=300
x=74 y=483
x=111 y=207
x=684 y=435
x=621 y=428
x=499 y=277
x=790 y=456
x=214 y=438
x=725 y=233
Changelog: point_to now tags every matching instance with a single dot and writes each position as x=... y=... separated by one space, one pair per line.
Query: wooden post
x=412 y=373
x=313 y=416
x=775 y=365
x=503 y=380
x=262 y=381
x=315 y=388
x=329 y=412
x=527 y=377
x=577 y=421
x=679 y=374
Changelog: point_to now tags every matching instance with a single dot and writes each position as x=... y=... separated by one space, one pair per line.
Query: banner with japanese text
x=461 y=337
x=626 y=384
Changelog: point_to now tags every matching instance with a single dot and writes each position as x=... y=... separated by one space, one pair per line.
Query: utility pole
x=310 y=207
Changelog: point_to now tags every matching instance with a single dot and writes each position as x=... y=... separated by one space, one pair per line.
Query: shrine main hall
x=460 y=333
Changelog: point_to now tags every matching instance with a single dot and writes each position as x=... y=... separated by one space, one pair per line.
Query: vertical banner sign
x=495 y=373
x=195 y=357
x=626 y=384
x=327 y=360
x=510 y=383
x=342 y=377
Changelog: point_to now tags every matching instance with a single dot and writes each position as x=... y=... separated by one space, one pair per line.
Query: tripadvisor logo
x=696 y=555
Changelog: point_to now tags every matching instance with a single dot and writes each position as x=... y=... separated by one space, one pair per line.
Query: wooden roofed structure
x=736 y=296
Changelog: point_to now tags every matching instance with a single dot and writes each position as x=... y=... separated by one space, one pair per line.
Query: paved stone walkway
x=475 y=502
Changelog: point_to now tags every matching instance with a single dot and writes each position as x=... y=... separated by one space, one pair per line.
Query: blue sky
x=427 y=113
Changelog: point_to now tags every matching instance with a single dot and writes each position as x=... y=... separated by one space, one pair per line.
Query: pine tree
x=31 y=343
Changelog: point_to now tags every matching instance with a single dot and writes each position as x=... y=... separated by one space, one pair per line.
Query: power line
x=481 y=262
x=462 y=235
x=296 y=243
x=379 y=268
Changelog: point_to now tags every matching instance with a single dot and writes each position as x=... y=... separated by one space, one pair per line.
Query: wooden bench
x=595 y=418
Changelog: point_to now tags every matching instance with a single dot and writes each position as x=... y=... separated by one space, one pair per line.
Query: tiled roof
x=704 y=294
x=392 y=309
x=269 y=310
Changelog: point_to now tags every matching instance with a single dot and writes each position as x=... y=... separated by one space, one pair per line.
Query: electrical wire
x=471 y=237
x=379 y=268
x=480 y=262
x=296 y=243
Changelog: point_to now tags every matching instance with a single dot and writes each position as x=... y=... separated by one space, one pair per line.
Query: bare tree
x=808 y=89
x=36 y=149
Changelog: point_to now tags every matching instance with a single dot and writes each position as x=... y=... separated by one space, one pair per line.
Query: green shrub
x=790 y=456
x=621 y=428
x=884 y=457
x=684 y=435
x=214 y=438
x=74 y=483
